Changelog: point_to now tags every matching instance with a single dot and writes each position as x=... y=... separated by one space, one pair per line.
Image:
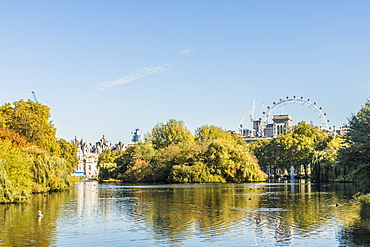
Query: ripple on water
x=271 y=209
x=190 y=215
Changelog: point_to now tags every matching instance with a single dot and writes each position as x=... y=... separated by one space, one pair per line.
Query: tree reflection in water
x=21 y=226
x=259 y=214
x=357 y=233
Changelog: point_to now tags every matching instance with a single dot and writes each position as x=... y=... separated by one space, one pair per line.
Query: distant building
x=136 y=136
x=281 y=124
x=88 y=155
x=268 y=131
x=341 y=131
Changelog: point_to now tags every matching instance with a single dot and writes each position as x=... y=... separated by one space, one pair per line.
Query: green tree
x=32 y=159
x=107 y=171
x=207 y=134
x=324 y=161
x=354 y=160
x=296 y=148
x=197 y=172
x=109 y=156
x=137 y=159
x=68 y=152
x=50 y=172
x=227 y=156
x=15 y=178
x=172 y=132
x=172 y=154
x=107 y=164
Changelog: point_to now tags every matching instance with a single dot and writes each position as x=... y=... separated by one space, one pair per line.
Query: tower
x=136 y=136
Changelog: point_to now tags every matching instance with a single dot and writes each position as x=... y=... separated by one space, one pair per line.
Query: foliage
x=15 y=139
x=107 y=165
x=354 y=160
x=107 y=170
x=140 y=171
x=31 y=120
x=172 y=132
x=134 y=164
x=68 y=152
x=15 y=178
x=232 y=162
x=50 y=173
x=305 y=145
x=324 y=161
x=364 y=198
x=32 y=158
x=172 y=154
x=109 y=156
x=196 y=173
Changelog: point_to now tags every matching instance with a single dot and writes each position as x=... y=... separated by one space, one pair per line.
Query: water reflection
x=259 y=214
x=21 y=226
x=356 y=233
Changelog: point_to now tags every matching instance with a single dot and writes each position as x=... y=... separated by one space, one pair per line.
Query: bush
x=364 y=198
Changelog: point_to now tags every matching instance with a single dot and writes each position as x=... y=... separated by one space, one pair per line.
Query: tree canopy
x=171 y=153
x=171 y=133
x=301 y=148
x=354 y=160
x=32 y=158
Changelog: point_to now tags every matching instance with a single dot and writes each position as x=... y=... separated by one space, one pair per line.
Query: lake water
x=250 y=214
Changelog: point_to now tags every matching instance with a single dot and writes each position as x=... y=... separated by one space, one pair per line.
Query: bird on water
x=40 y=214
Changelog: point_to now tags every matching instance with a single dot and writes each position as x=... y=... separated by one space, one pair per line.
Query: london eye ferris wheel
x=299 y=109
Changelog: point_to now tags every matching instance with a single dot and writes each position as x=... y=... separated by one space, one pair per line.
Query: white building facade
x=88 y=155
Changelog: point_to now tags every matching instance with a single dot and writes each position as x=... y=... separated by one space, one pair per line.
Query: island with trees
x=171 y=153
x=34 y=160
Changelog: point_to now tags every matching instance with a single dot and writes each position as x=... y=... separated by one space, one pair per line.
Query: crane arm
x=34 y=96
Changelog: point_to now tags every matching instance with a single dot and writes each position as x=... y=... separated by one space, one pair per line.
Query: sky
x=108 y=67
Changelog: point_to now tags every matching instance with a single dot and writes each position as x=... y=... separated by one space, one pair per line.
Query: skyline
x=110 y=67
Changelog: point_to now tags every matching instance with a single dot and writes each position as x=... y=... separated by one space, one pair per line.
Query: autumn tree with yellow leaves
x=32 y=158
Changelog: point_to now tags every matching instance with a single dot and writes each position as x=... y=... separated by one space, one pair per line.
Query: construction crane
x=242 y=120
x=251 y=113
x=34 y=96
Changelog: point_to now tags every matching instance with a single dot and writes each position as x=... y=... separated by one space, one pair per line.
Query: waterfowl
x=40 y=214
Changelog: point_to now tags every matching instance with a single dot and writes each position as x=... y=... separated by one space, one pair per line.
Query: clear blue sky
x=110 y=66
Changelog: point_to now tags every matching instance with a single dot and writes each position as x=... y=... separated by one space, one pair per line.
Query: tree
x=207 y=134
x=135 y=164
x=198 y=172
x=354 y=160
x=107 y=163
x=68 y=152
x=227 y=156
x=109 y=156
x=15 y=178
x=296 y=148
x=172 y=154
x=172 y=132
x=324 y=161
x=49 y=172
x=32 y=158
x=31 y=120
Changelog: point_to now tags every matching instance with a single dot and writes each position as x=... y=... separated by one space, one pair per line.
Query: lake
x=287 y=213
